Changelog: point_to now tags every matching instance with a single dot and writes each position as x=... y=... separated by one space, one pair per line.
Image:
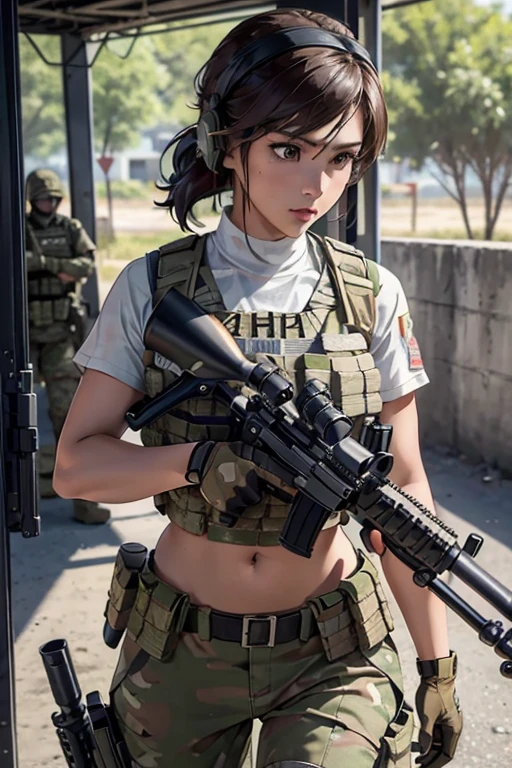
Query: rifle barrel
x=483 y=583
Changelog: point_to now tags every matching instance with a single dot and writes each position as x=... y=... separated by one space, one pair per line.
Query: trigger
x=364 y=533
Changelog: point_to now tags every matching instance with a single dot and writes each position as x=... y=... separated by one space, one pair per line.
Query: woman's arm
x=424 y=613
x=92 y=461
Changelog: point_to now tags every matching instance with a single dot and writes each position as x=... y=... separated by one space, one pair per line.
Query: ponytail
x=190 y=181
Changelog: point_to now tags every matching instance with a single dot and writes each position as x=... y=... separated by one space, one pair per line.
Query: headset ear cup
x=211 y=147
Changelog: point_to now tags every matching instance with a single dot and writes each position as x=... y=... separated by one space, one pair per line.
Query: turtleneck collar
x=273 y=256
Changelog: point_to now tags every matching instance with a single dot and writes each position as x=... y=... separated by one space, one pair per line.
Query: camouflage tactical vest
x=329 y=341
x=49 y=298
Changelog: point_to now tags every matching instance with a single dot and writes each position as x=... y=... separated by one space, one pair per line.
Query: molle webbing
x=49 y=298
x=328 y=340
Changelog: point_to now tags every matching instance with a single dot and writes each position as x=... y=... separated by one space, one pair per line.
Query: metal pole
x=367 y=230
x=79 y=131
x=331 y=224
x=13 y=349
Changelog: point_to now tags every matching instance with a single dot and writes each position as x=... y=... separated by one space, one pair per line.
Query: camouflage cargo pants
x=331 y=699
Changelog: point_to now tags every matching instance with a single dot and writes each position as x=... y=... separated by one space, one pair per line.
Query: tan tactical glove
x=439 y=712
x=231 y=481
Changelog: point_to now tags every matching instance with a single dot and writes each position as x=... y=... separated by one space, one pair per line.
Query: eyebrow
x=323 y=144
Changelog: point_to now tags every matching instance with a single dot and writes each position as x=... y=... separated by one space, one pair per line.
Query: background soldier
x=60 y=256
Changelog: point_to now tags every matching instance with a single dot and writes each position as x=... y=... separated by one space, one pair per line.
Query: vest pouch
x=396 y=742
x=367 y=604
x=158 y=616
x=61 y=308
x=335 y=624
x=51 y=286
x=129 y=562
x=40 y=313
x=312 y=366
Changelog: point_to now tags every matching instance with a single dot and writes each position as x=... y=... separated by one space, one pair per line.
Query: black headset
x=213 y=148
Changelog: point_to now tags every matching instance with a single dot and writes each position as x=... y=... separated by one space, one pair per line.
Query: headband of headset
x=252 y=56
x=270 y=47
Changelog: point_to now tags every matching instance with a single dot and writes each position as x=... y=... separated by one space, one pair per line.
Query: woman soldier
x=228 y=626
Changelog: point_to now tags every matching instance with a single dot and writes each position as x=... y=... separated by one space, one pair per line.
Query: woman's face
x=292 y=181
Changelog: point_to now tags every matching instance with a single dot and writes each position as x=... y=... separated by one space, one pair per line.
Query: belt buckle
x=246 y=628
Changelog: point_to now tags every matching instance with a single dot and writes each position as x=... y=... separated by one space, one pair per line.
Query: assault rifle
x=308 y=445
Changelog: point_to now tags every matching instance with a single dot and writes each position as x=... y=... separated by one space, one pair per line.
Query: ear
x=229 y=160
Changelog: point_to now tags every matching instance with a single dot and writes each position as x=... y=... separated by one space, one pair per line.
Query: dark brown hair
x=305 y=88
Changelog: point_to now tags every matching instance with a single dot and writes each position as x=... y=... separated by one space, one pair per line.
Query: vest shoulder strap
x=353 y=263
x=176 y=266
x=152 y=268
x=358 y=283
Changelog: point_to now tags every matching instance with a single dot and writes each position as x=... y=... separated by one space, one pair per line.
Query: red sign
x=105 y=162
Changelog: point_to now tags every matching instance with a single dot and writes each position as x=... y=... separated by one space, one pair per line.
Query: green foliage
x=124 y=98
x=448 y=83
x=41 y=97
x=181 y=54
x=448 y=76
x=133 y=189
x=127 y=247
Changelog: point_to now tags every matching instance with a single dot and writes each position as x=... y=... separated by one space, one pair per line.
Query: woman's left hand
x=439 y=712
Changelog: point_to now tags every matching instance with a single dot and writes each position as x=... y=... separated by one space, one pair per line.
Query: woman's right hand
x=230 y=482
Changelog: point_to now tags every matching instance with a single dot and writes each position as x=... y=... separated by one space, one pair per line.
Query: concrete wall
x=460 y=295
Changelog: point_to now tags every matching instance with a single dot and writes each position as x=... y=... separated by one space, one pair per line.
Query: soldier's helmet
x=43 y=183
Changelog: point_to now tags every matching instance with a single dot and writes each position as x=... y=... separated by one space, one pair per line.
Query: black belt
x=252 y=631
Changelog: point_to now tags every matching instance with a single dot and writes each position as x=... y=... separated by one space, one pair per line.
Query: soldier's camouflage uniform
x=56 y=244
x=191 y=680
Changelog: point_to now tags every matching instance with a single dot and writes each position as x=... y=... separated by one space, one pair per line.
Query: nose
x=314 y=183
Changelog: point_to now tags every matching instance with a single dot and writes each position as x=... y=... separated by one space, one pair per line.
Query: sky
x=506 y=4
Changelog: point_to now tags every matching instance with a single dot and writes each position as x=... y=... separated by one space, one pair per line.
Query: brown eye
x=286 y=151
x=343 y=159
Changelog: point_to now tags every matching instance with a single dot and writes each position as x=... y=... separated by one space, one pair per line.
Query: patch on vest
x=52 y=241
x=344 y=342
x=254 y=346
x=410 y=343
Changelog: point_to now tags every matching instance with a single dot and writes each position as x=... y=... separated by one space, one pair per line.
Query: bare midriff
x=242 y=579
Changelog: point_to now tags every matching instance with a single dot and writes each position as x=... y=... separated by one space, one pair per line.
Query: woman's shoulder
x=389 y=283
x=133 y=278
